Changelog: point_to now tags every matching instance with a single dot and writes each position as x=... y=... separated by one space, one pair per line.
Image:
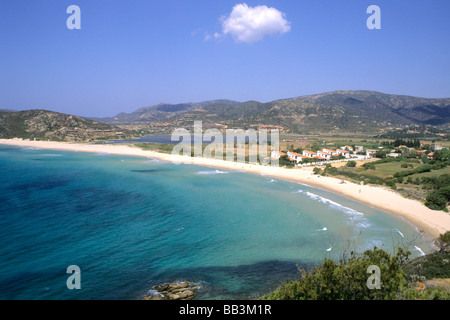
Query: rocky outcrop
x=173 y=291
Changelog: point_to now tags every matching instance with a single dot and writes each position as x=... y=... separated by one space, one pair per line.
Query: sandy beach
x=431 y=222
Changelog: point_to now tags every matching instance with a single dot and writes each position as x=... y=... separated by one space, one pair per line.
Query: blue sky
x=131 y=54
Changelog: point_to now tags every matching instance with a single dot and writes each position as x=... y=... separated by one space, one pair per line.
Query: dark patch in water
x=144 y=171
x=8 y=149
x=102 y=200
x=247 y=278
x=37 y=159
x=13 y=286
x=40 y=185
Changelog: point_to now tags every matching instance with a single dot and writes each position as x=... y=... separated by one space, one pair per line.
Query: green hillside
x=48 y=125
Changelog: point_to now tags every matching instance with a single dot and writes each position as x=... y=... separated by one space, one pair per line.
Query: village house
x=309 y=154
x=324 y=154
x=344 y=153
x=349 y=148
x=393 y=155
x=370 y=152
x=277 y=154
x=333 y=152
x=420 y=152
x=294 y=156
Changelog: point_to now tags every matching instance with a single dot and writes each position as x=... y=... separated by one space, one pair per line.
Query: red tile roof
x=295 y=154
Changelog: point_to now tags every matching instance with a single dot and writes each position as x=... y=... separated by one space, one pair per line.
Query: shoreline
x=432 y=222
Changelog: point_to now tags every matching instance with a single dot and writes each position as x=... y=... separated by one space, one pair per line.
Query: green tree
x=347 y=280
x=380 y=154
x=351 y=164
x=436 y=200
x=284 y=161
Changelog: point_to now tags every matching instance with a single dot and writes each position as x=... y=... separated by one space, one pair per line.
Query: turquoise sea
x=130 y=223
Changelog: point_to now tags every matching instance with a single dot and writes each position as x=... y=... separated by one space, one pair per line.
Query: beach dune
x=431 y=222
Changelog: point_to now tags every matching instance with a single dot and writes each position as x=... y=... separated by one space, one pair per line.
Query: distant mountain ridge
x=358 y=110
x=331 y=112
x=419 y=110
x=161 y=112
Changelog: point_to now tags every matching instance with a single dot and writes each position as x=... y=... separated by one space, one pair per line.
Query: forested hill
x=360 y=111
x=43 y=125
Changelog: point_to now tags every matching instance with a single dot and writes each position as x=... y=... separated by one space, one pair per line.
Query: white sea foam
x=212 y=172
x=323 y=229
x=400 y=233
x=356 y=215
x=332 y=203
x=420 y=250
x=153 y=292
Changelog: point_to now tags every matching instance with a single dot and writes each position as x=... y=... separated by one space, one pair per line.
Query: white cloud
x=252 y=24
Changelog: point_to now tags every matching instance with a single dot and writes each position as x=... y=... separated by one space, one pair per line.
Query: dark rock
x=173 y=291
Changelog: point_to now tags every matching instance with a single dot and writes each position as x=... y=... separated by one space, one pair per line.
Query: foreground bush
x=347 y=280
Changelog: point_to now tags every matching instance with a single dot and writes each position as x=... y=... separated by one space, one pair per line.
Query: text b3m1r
x=228 y=309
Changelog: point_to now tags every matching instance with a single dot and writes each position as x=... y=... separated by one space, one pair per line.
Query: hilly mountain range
x=49 y=125
x=331 y=112
x=161 y=112
x=359 y=111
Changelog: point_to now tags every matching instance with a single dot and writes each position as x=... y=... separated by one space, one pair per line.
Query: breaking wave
x=356 y=215
x=212 y=172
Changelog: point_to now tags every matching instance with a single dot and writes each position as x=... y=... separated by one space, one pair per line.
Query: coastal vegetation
x=421 y=179
x=423 y=278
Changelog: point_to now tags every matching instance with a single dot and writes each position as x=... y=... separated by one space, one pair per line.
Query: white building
x=277 y=154
x=344 y=153
x=309 y=154
x=324 y=154
x=370 y=153
x=349 y=148
x=293 y=156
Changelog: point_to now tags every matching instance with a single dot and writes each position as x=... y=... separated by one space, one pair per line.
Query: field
x=386 y=170
x=445 y=170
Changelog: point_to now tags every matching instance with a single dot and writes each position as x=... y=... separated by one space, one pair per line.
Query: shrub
x=391 y=183
x=351 y=164
x=436 y=200
x=369 y=165
x=348 y=279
